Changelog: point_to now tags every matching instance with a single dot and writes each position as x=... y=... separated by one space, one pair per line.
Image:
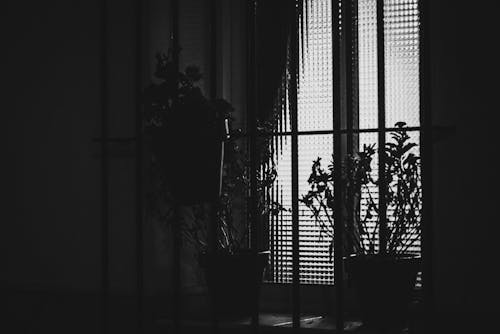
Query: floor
x=54 y=313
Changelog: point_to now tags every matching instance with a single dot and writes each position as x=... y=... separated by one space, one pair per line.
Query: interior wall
x=52 y=192
x=50 y=178
x=464 y=69
x=52 y=183
x=50 y=171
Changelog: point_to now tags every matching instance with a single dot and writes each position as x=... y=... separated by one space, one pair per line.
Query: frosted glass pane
x=315 y=95
x=316 y=267
x=370 y=192
x=367 y=55
x=412 y=241
x=281 y=227
x=401 y=33
x=315 y=264
x=315 y=104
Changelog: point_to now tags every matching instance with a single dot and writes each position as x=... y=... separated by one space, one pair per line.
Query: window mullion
x=426 y=155
x=293 y=101
x=338 y=95
x=383 y=231
x=352 y=75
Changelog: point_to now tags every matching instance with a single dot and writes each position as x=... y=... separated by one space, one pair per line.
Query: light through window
x=315 y=118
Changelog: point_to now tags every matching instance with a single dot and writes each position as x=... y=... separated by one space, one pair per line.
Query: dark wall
x=51 y=100
x=50 y=103
x=464 y=95
x=51 y=175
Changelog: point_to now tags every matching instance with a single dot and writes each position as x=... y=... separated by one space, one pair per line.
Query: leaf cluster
x=176 y=99
x=360 y=197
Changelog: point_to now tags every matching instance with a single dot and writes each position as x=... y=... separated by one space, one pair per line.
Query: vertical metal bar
x=351 y=81
x=281 y=240
x=213 y=49
x=272 y=216
x=214 y=212
x=347 y=45
x=383 y=232
x=104 y=166
x=212 y=230
x=426 y=158
x=138 y=165
x=252 y=103
x=352 y=89
x=294 y=66
x=355 y=72
x=176 y=233
x=338 y=89
x=251 y=116
x=255 y=163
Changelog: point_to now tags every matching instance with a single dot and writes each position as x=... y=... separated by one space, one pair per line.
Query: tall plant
x=176 y=111
x=361 y=223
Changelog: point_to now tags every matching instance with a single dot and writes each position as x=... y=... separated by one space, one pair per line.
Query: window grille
x=315 y=118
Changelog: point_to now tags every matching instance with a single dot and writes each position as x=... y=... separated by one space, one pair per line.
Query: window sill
x=268 y=323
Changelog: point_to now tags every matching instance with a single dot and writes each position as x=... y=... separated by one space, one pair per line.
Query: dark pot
x=384 y=287
x=234 y=281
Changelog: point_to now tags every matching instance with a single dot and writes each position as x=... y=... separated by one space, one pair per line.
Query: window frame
x=347 y=127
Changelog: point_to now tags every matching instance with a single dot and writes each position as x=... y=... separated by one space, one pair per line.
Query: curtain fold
x=274 y=19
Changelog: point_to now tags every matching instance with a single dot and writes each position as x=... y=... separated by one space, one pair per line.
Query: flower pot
x=234 y=281
x=384 y=287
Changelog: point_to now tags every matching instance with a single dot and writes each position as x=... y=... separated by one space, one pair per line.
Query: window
x=316 y=111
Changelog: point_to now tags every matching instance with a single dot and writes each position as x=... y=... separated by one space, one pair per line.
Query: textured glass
x=316 y=267
x=315 y=264
x=315 y=112
x=367 y=66
x=401 y=34
x=315 y=98
x=412 y=243
x=315 y=104
x=281 y=226
x=370 y=192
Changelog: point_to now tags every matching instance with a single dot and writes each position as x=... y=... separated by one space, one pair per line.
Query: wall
x=464 y=68
x=50 y=181
x=51 y=198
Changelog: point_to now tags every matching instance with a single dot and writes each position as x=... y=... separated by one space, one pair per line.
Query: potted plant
x=197 y=161
x=384 y=278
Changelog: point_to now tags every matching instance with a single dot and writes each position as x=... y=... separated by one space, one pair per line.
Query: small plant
x=360 y=198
